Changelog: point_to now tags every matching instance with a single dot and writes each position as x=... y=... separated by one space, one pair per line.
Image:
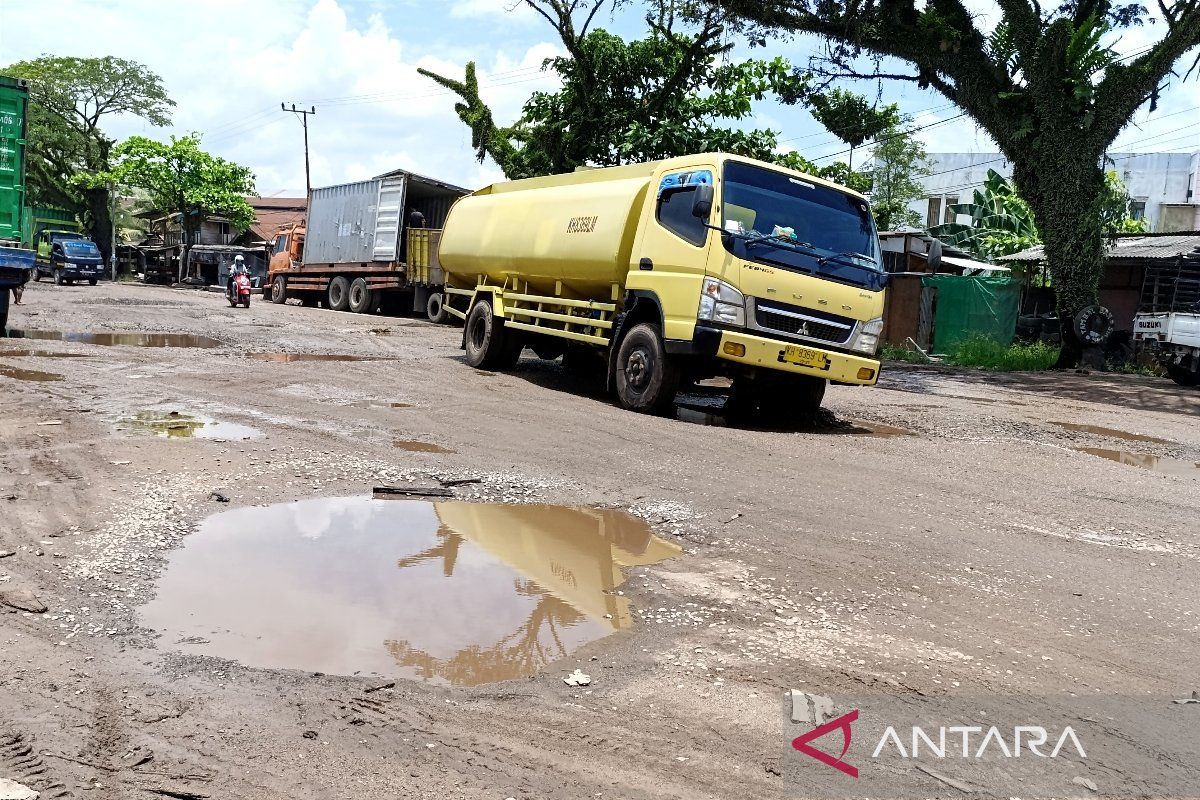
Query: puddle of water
x=1167 y=466
x=287 y=358
x=448 y=592
x=26 y=353
x=1111 y=433
x=121 y=339
x=413 y=446
x=27 y=374
x=174 y=425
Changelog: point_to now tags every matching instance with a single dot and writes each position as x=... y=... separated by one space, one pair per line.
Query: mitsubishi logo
x=803 y=330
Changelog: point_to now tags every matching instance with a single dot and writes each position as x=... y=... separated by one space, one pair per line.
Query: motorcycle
x=238 y=291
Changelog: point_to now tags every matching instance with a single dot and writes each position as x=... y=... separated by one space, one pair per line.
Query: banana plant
x=1001 y=222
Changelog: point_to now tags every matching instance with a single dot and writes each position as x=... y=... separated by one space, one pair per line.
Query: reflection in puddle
x=1111 y=433
x=174 y=425
x=451 y=592
x=414 y=446
x=121 y=339
x=25 y=353
x=1167 y=466
x=287 y=358
x=27 y=374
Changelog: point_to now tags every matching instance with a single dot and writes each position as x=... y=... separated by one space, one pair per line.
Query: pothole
x=1111 y=433
x=177 y=425
x=449 y=592
x=27 y=374
x=414 y=446
x=121 y=339
x=1167 y=466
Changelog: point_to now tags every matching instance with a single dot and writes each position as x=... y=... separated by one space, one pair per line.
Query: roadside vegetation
x=984 y=352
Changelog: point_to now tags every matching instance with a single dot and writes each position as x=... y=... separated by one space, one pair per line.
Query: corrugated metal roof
x=1166 y=246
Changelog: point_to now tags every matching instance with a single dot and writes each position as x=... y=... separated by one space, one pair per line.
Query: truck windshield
x=803 y=226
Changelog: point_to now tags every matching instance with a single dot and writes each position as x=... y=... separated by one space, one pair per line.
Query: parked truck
x=685 y=269
x=1168 y=318
x=15 y=263
x=357 y=250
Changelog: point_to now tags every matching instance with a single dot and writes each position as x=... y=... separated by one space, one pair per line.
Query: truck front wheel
x=279 y=290
x=339 y=293
x=646 y=377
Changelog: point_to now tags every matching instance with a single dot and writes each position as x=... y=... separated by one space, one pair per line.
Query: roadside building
x=1164 y=187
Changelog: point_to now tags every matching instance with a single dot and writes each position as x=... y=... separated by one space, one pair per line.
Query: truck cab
x=67 y=256
x=1167 y=324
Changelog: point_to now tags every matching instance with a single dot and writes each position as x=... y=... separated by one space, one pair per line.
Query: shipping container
x=14 y=101
x=356 y=252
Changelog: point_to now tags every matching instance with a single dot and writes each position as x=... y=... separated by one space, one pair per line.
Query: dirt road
x=979 y=552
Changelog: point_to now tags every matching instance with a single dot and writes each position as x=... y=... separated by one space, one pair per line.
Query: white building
x=1165 y=187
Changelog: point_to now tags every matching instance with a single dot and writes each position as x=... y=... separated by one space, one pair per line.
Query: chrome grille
x=806 y=323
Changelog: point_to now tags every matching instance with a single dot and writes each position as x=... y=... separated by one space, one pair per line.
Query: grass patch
x=891 y=352
x=984 y=352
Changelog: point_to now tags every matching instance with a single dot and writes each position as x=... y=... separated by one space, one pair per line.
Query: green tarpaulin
x=964 y=305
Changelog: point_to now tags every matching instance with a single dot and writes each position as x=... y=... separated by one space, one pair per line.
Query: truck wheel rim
x=478 y=332
x=638 y=369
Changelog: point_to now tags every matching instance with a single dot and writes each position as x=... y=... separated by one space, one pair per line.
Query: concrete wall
x=1158 y=182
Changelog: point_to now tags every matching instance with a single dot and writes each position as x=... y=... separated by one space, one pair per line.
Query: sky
x=229 y=64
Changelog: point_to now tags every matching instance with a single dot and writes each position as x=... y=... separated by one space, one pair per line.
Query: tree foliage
x=1001 y=222
x=669 y=93
x=1043 y=83
x=899 y=162
x=182 y=179
x=851 y=117
x=70 y=98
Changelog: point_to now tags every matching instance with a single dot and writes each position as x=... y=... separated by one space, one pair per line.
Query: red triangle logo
x=842 y=723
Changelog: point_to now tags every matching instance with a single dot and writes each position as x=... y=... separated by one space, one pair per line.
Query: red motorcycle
x=239 y=291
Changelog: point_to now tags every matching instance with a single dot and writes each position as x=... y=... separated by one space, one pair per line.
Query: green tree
x=1115 y=208
x=180 y=178
x=852 y=118
x=1043 y=84
x=70 y=99
x=669 y=93
x=897 y=167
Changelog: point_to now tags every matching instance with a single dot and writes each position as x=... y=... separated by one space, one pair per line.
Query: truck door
x=672 y=249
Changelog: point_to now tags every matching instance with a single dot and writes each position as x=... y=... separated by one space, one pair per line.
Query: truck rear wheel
x=58 y=277
x=646 y=377
x=485 y=341
x=339 y=293
x=279 y=290
x=362 y=298
x=435 y=308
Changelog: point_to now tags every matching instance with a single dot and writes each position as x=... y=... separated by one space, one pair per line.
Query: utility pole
x=304 y=121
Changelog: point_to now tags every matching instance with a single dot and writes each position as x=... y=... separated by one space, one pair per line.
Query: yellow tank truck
x=677 y=270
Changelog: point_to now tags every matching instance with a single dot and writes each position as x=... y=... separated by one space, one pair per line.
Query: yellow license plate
x=805 y=357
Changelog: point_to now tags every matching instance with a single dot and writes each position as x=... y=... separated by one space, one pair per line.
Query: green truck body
x=14 y=101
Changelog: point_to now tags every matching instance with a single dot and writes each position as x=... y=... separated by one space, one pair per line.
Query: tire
x=1093 y=325
x=435 y=308
x=362 y=298
x=3 y=312
x=92 y=281
x=484 y=339
x=279 y=290
x=37 y=275
x=58 y=278
x=246 y=303
x=1183 y=376
x=646 y=377
x=339 y=293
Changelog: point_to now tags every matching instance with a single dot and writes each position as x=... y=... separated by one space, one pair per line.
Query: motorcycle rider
x=238 y=268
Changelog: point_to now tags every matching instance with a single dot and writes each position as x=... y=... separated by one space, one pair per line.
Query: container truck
x=357 y=248
x=1168 y=318
x=679 y=270
x=15 y=263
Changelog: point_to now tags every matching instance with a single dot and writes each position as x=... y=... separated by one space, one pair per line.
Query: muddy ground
x=980 y=555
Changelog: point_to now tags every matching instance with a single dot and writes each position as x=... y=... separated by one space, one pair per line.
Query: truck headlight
x=722 y=303
x=867 y=338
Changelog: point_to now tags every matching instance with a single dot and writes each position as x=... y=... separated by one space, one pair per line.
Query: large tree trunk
x=1065 y=197
x=100 y=220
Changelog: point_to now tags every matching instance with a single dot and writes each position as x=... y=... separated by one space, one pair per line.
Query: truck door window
x=281 y=244
x=676 y=192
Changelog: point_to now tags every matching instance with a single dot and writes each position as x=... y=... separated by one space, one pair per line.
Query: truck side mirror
x=702 y=201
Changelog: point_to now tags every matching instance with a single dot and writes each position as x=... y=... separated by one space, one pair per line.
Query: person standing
x=415 y=218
